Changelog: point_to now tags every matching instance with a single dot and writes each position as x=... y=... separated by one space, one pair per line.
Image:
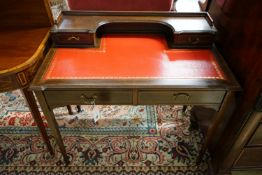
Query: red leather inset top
x=133 y=57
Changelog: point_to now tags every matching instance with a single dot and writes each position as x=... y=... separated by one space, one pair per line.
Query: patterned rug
x=125 y=140
x=114 y=119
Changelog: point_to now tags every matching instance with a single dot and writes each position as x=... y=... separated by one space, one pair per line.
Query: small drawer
x=180 y=97
x=250 y=157
x=193 y=39
x=72 y=38
x=62 y=98
x=256 y=139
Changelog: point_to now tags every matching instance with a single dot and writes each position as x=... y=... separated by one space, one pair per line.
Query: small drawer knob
x=194 y=40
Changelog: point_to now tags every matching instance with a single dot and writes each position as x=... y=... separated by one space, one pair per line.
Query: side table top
x=21 y=53
x=19 y=47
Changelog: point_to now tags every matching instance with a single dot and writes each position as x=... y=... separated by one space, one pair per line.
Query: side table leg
x=37 y=117
x=50 y=116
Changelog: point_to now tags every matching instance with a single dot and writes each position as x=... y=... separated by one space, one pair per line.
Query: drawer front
x=256 y=139
x=193 y=39
x=62 y=98
x=73 y=38
x=250 y=157
x=180 y=97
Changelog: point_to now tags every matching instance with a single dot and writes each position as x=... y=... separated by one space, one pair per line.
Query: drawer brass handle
x=76 y=38
x=88 y=100
x=175 y=96
x=194 y=41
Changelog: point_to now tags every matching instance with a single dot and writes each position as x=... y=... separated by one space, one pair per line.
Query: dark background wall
x=239 y=24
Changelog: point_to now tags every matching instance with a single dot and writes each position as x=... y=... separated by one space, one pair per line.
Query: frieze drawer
x=180 y=97
x=193 y=40
x=61 y=98
x=73 y=39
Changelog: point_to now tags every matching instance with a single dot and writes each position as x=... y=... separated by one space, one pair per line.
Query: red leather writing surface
x=132 y=57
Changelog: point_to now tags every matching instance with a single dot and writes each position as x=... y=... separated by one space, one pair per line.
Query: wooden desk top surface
x=91 y=21
x=19 y=47
x=133 y=57
x=133 y=61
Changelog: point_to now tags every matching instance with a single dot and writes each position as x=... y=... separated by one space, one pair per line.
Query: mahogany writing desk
x=133 y=70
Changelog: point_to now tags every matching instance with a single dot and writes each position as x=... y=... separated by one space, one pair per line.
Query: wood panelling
x=256 y=139
x=239 y=35
x=249 y=157
x=239 y=40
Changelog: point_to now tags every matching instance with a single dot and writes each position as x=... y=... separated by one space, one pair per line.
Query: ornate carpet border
x=150 y=128
x=82 y=131
x=99 y=170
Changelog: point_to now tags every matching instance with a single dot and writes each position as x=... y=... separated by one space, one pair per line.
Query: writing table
x=133 y=70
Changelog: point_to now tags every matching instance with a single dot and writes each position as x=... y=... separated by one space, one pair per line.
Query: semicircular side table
x=21 y=53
